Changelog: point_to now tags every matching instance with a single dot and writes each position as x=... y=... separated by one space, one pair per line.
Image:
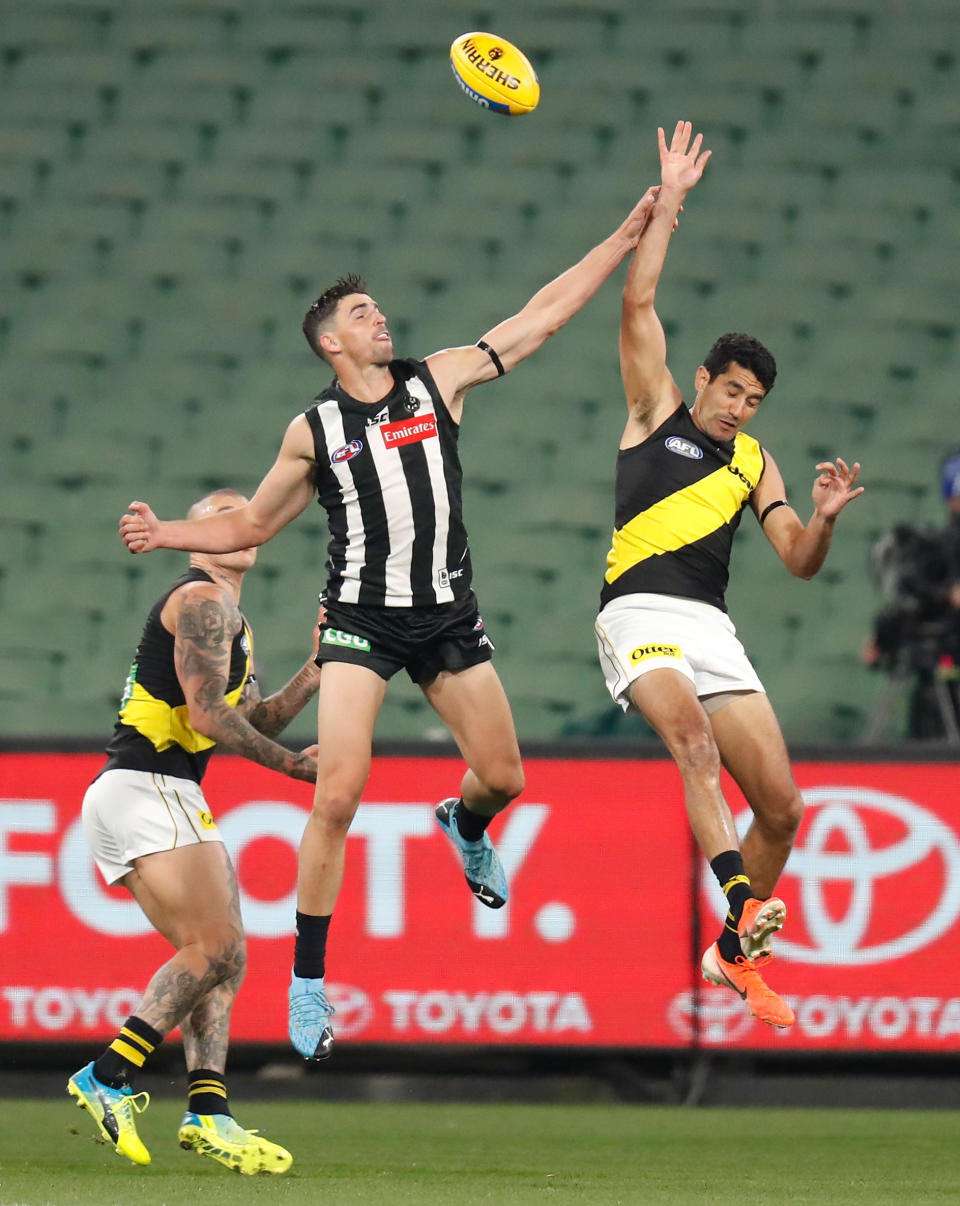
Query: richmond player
x=667 y=646
x=191 y=688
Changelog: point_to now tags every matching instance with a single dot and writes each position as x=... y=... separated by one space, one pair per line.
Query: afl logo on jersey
x=346 y=452
x=685 y=448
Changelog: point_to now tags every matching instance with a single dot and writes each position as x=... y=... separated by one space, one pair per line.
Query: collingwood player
x=378 y=449
x=667 y=646
x=192 y=688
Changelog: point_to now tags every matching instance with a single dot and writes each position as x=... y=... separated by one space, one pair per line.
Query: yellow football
x=494 y=73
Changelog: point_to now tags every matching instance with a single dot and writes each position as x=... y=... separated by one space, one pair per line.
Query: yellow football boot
x=220 y=1137
x=112 y=1110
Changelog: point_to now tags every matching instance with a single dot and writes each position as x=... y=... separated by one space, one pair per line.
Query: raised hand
x=139 y=528
x=682 y=163
x=834 y=488
x=636 y=221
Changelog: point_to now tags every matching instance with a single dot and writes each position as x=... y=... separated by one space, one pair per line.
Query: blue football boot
x=481 y=866
x=309 y=1018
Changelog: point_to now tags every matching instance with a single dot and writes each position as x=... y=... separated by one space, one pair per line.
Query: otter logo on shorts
x=643 y=652
x=206 y=820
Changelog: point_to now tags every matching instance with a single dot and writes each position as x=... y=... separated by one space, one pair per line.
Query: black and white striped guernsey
x=388 y=475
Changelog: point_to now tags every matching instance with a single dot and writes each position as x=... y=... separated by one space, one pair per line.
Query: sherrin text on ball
x=494 y=73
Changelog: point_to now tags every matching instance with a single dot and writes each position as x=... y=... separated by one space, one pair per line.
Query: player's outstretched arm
x=280 y=497
x=458 y=369
x=651 y=392
x=271 y=716
x=803 y=548
x=205 y=621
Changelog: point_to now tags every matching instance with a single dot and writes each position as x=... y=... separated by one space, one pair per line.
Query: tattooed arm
x=204 y=619
x=272 y=715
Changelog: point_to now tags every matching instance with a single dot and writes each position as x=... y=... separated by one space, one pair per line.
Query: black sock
x=310 y=951
x=728 y=868
x=207 y=1092
x=127 y=1054
x=470 y=825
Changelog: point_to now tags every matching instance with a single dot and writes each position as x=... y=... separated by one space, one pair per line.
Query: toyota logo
x=721 y=1016
x=354 y=1011
x=874 y=877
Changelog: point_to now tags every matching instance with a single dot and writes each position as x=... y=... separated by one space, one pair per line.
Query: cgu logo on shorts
x=642 y=652
x=345 y=640
x=206 y=820
x=346 y=452
x=684 y=448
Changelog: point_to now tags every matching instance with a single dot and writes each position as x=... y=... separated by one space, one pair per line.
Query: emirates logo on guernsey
x=409 y=431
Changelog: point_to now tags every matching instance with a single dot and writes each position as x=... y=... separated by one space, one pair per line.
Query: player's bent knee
x=335 y=810
x=229 y=962
x=790 y=816
x=507 y=781
x=695 y=752
x=780 y=821
x=226 y=945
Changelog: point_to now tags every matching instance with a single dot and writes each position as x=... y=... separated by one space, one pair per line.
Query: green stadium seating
x=31 y=27
x=177 y=182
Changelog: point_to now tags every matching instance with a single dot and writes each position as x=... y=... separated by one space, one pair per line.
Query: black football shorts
x=421 y=640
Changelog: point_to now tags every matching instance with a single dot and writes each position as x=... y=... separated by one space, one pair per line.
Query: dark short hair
x=746 y=351
x=324 y=306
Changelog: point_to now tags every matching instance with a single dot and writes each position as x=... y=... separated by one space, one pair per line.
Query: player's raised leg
x=668 y=700
x=752 y=749
x=474 y=706
x=349 y=701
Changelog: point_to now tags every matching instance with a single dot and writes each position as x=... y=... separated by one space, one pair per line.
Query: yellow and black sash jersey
x=153 y=732
x=679 y=498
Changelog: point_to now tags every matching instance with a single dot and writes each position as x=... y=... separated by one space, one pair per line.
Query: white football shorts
x=129 y=813
x=642 y=632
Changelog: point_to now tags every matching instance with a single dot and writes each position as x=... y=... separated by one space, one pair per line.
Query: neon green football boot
x=112 y=1110
x=220 y=1137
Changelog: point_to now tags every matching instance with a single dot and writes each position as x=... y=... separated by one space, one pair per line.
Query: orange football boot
x=759 y=921
x=743 y=977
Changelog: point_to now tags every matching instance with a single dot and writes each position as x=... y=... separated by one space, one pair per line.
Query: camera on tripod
x=918 y=628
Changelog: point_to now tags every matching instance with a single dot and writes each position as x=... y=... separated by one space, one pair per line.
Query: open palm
x=682 y=163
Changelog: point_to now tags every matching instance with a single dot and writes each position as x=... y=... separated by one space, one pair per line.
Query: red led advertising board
x=594 y=948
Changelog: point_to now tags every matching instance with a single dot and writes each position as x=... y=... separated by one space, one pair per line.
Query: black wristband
x=485 y=347
x=781 y=502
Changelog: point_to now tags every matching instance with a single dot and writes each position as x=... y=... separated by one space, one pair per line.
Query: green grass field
x=430 y=1154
